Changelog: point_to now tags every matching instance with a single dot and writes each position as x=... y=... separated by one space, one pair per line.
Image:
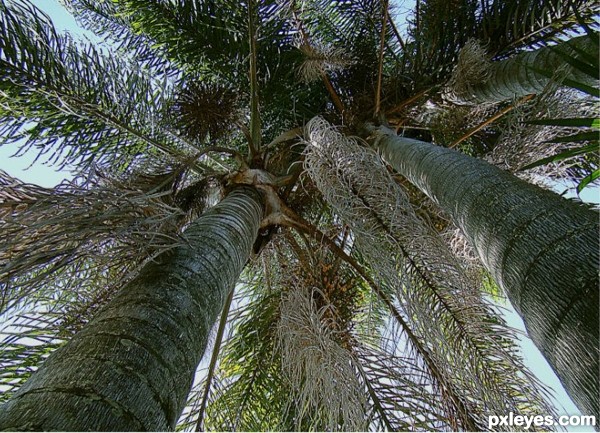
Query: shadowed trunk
x=517 y=76
x=131 y=368
x=541 y=249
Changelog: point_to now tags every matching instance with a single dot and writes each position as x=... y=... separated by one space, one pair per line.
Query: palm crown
x=361 y=307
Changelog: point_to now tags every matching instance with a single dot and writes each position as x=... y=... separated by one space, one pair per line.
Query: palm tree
x=150 y=336
x=517 y=231
x=352 y=310
x=523 y=74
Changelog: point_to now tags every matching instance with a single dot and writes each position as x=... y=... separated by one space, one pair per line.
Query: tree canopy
x=363 y=307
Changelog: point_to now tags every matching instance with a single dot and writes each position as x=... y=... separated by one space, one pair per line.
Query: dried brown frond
x=521 y=143
x=196 y=197
x=321 y=373
x=320 y=58
x=472 y=69
x=470 y=356
x=79 y=230
x=204 y=109
x=16 y=195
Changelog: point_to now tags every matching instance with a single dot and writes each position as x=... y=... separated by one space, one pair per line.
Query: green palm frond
x=104 y=19
x=343 y=39
x=209 y=41
x=250 y=389
x=211 y=38
x=561 y=123
x=532 y=23
x=441 y=29
x=195 y=27
x=578 y=151
x=75 y=103
x=438 y=31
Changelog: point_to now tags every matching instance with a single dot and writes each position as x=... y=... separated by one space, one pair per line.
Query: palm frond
x=75 y=103
x=532 y=23
x=210 y=38
x=25 y=342
x=319 y=369
x=248 y=396
x=351 y=30
x=442 y=29
x=104 y=19
x=411 y=261
x=576 y=136
x=400 y=391
x=52 y=240
x=522 y=144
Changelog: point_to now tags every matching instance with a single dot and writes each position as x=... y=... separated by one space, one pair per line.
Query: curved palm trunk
x=132 y=366
x=516 y=77
x=541 y=248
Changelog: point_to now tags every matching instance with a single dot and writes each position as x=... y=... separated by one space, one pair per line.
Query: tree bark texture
x=541 y=249
x=517 y=76
x=132 y=367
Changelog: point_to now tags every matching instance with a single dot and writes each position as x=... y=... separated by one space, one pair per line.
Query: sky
x=23 y=167
x=39 y=173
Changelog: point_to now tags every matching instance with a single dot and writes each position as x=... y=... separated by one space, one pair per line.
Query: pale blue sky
x=44 y=175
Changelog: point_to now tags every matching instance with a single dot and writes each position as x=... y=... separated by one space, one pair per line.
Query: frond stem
x=384 y=20
x=254 y=96
x=116 y=123
x=409 y=101
x=396 y=33
x=213 y=359
x=234 y=153
x=492 y=119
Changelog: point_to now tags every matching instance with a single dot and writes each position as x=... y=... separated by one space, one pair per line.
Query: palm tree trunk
x=517 y=76
x=132 y=366
x=542 y=250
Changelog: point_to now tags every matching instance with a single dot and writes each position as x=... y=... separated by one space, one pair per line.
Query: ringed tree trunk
x=541 y=249
x=131 y=368
x=517 y=76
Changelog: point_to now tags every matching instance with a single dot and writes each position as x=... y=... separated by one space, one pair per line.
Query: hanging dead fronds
x=472 y=69
x=321 y=59
x=466 y=350
x=52 y=238
x=320 y=372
